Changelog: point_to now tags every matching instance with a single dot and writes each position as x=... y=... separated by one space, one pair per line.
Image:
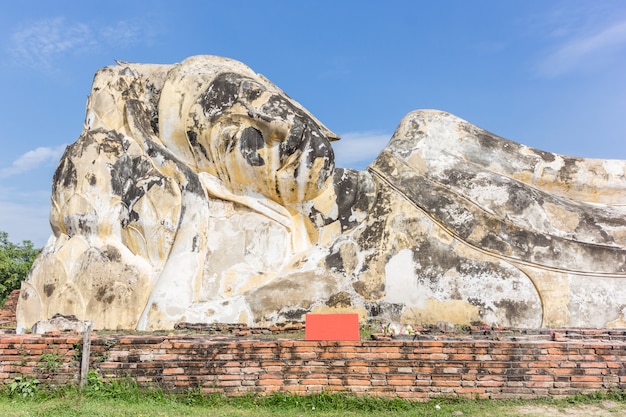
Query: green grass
x=127 y=399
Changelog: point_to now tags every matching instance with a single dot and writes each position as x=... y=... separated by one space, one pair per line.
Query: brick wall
x=410 y=369
x=7 y=313
x=51 y=359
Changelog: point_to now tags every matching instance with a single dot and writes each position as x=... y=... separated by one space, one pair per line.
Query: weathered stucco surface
x=200 y=192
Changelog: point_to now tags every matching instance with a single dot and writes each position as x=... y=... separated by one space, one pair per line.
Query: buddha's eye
x=250 y=90
x=227 y=90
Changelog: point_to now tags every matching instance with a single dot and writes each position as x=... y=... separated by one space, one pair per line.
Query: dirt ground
x=603 y=408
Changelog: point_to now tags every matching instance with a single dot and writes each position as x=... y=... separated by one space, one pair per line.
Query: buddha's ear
x=202 y=139
x=138 y=120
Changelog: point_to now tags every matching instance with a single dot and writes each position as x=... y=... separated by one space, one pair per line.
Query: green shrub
x=15 y=263
x=24 y=386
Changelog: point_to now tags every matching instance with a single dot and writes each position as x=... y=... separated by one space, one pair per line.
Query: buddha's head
x=240 y=127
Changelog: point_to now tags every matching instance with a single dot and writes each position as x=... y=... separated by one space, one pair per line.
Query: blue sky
x=549 y=74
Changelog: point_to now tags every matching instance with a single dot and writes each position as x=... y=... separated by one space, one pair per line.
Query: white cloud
x=40 y=43
x=584 y=50
x=124 y=33
x=358 y=149
x=33 y=160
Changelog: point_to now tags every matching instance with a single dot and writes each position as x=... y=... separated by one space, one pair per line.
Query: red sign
x=332 y=327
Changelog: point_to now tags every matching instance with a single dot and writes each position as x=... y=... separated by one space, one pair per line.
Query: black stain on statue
x=65 y=174
x=249 y=144
x=111 y=254
x=48 y=289
x=221 y=95
x=195 y=144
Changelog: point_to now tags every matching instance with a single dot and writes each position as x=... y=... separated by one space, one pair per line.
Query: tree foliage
x=16 y=260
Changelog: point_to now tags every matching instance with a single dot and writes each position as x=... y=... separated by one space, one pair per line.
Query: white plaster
x=615 y=168
x=400 y=280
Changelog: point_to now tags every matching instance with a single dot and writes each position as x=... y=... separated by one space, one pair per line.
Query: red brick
x=265 y=382
x=592 y=364
x=173 y=371
x=489 y=383
x=585 y=378
x=445 y=383
x=541 y=378
x=469 y=390
x=438 y=356
x=398 y=382
x=402 y=377
x=271 y=376
x=314 y=381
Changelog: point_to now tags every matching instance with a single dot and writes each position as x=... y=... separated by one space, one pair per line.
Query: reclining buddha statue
x=199 y=192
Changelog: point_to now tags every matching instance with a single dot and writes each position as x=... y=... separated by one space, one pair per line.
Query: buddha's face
x=257 y=140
